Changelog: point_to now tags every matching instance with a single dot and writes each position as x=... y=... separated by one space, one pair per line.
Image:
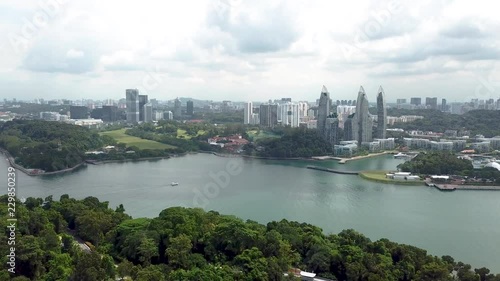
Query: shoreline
x=127 y=160
x=312 y=158
x=18 y=167
x=365 y=175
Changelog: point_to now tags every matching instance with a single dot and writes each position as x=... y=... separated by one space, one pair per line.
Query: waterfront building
x=481 y=147
x=348 y=128
x=332 y=130
x=345 y=148
x=177 y=109
x=381 y=114
x=386 y=144
x=362 y=124
x=268 y=114
x=323 y=111
x=132 y=97
x=247 y=113
x=78 y=112
x=143 y=99
x=189 y=107
x=374 y=146
x=415 y=143
x=441 y=145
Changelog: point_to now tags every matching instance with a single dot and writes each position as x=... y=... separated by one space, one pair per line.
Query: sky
x=244 y=50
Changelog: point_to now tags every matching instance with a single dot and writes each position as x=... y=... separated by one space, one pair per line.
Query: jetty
x=452 y=187
x=344 y=172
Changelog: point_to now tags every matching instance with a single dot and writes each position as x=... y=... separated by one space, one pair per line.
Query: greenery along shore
x=191 y=244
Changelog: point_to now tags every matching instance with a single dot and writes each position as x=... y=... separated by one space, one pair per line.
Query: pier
x=344 y=172
x=452 y=187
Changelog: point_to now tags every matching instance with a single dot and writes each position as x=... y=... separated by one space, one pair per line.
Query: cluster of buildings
x=443 y=105
x=280 y=112
x=139 y=109
x=232 y=143
x=461 y=144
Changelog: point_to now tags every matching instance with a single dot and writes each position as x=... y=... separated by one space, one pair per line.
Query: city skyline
x=254 y=48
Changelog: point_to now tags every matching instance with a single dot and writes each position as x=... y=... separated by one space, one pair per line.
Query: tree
x=178 y=251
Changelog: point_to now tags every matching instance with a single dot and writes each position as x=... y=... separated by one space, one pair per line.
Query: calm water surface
x=463 y=224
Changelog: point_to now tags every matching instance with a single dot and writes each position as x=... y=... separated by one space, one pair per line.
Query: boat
x=400 y=155
x=174 y=183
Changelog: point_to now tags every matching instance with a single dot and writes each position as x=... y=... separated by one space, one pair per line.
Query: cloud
x=72 y=54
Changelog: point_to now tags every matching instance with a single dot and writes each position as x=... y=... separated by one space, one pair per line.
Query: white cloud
x=212 y=49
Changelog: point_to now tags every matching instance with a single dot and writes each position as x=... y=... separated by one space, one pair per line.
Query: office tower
x=247 y=113
x=362 y=123
x=132 y=96
x=431 y=102
x=143 y=99
x=78 y=112
x=416 y=101
x=381 y=114
x=109 y=113
x=443 y=105
x=177 y=109
x=148 y=112
x=268 y=114
x=323 y=111
x=189 y=107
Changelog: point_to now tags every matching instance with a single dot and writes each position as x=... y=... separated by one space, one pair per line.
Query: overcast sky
x=249 y=50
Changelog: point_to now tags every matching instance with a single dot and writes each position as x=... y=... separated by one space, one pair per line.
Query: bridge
x=344 y=172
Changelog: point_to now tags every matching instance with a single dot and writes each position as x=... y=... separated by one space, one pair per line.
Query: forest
x=446 y=163
x=295 y=142
x=478 y=122
x=192 y=244
x=49 y=146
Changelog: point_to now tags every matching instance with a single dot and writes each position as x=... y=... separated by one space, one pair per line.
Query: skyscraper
x=78 y=112
x=177 y=109
x=148 y=112
x=443 y=105
x=323 y=111
x=143 y=99
x=132 y=97
x=381 y=114
x=247 y=113
x=348 y=133
x=362 y=123
x=332 y=130
x=289 y=114
x=189 y=107
x=268 y=114
x=431 y=102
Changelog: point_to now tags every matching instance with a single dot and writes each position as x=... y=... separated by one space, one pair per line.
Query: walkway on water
x=344 y=172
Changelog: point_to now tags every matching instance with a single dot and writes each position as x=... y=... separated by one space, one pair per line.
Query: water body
x=463 y=224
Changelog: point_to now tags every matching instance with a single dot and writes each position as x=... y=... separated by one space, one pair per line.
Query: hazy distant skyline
x=249 y=50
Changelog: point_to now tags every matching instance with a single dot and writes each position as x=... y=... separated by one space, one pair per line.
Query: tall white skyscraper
x=247 y=113
x=303 y=107
x=289 y=114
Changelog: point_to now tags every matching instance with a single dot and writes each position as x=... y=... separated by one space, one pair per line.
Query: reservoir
x=463 y=224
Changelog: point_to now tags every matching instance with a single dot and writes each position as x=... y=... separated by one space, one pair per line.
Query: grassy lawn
x=182 y=133
x=120 y=136
x=379 y=176
x=262 y=135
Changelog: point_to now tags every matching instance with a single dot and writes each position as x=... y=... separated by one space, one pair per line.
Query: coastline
x=370 y=175
x=31 y=173
x=127 y=160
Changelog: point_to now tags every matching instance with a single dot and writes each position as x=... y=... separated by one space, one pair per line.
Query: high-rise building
x=416 y=101
x=132 y=96
x=268 y=114
x=247 y=113
x=143 y=99
x=109 y=113
x=362 y=123
x=189 y=107
x=177 y=109
x=168 y=115
x=289 y=114
x=444 y=107
x=401 y=101
x=323 y=111
x=148 y=112
x=78 y=112
x=381 y=114
x=431 y=103
x=303 y=107
x=348 y=133
x=332 y=130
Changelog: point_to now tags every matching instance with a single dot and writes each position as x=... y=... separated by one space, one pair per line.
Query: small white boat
x=400 y=155
x=174 y=183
